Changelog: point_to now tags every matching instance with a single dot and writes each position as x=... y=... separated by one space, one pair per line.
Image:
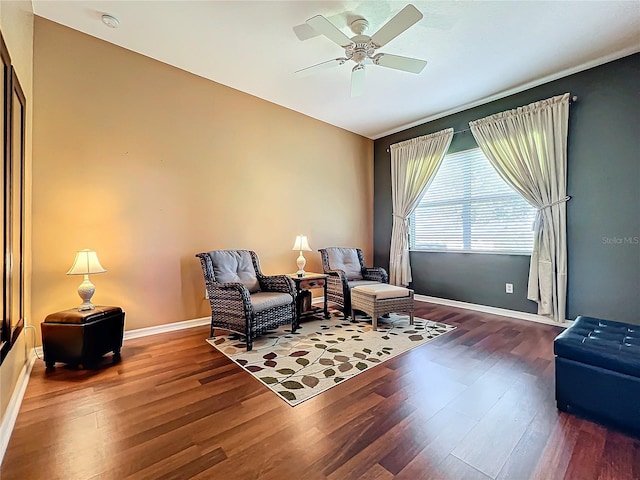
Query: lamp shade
x=86 y=262
x=301 y=244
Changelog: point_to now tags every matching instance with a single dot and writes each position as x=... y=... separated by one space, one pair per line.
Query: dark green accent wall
x=603 y=216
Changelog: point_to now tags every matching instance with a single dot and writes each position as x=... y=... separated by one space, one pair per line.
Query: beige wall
x=16 y=23
x=148 y=165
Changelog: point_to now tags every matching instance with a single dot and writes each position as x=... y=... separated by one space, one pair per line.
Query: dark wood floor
x=477 y=403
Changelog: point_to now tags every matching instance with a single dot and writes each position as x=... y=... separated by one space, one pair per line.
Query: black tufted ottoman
x=598 y=371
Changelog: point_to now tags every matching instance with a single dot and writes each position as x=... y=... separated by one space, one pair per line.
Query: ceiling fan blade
x=357 y=81
x=412 y=65
x=329 y=30
x=320 y=66
x=398 y=24
x=304 y=32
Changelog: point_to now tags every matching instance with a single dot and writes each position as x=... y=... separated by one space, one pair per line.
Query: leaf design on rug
x=310 y=381
x=299 y=353
x=345 y=367
x=324 y=353
x=292 y=385
x=288 y=395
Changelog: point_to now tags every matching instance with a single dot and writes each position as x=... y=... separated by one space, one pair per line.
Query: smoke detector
x=110 y=21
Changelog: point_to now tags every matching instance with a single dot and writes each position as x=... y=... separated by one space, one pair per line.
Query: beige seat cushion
x=357 y=283
x=383 y=290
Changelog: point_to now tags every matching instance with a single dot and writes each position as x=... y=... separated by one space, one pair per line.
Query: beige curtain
x=413 y=165
x=528 y=148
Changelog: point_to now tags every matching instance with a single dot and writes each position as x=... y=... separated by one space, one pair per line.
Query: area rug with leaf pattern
x=324 y=353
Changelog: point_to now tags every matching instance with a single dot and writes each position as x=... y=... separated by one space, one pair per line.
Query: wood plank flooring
x=477 y=403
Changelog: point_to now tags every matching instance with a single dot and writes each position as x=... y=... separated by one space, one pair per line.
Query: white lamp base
x=301 y=261
x=86 y=291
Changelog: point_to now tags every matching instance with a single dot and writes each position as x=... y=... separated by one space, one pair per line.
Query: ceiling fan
x=361 y=48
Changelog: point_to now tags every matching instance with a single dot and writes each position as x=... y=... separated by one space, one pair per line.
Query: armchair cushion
x=345 y=259
x=264 y=300
x=235 y=266
x=358 y=283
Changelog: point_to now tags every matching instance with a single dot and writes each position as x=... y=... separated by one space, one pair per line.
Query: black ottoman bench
x=598 y=371
x=82 y=337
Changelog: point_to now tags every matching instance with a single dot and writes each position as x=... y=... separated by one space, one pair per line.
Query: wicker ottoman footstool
x=380 y=299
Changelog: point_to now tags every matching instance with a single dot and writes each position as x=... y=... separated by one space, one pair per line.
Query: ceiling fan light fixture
x=110 y=21
x=362 y=48
x=359 y=25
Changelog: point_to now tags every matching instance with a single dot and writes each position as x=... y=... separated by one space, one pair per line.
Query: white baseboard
x=317 y=300
x=13 y=408
x=532 y=317
x=168 y=327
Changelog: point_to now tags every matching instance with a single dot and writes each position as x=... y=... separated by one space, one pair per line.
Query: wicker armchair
x=346 y=269
x=243 y=300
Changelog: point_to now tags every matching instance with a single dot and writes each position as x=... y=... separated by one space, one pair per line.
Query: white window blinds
x=468 y=207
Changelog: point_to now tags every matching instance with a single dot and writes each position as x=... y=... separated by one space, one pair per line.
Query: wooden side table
x=82 y=337
x=304 y=284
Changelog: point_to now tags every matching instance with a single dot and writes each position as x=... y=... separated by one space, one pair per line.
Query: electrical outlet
x=508 y=287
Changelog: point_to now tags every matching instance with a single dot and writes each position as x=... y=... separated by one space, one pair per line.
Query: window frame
x=14 y=112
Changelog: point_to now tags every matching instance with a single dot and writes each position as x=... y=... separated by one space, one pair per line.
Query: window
x=469 y=208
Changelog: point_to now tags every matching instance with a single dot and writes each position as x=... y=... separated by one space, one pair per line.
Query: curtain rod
x=573 y=99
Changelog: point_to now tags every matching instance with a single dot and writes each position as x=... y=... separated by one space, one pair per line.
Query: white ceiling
x=477 y=50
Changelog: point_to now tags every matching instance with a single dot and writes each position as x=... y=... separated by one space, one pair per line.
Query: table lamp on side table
x=86 y=262
x=301 y=244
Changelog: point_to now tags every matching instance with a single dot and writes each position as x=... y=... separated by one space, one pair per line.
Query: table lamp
x=86 y=262
x=301 y=244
